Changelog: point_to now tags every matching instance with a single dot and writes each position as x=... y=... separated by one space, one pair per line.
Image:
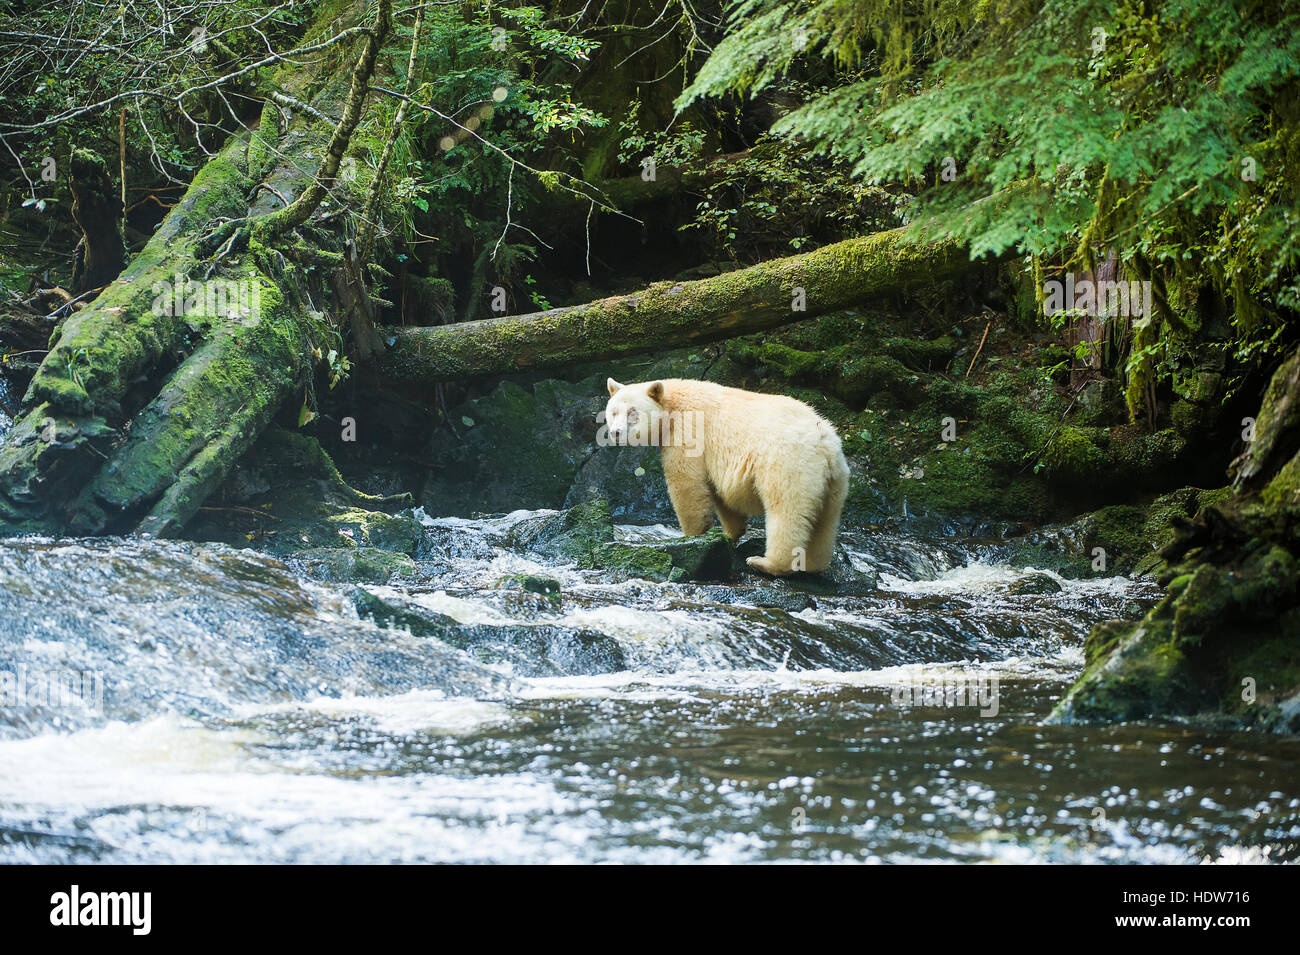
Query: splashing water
x=192 y=703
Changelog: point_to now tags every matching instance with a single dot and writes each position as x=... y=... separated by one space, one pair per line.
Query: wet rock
x=542 y=649
x=841 y=578
x=787 y=600
x=354 y=565
x=1221 y=646
x=451 y=545
x=530 y=650
x=704 y=557
x=570 y=535
x=401 y=614
x=1035 y=584
x=631 y=479
x=547 y=587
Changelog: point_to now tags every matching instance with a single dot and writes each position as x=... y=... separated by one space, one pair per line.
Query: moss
x=356 y=565
x=1272 y=671
x=705 y=557
x=547 y=587
x=1119 y=531
x=399 y=533
x=1074 y=457
x=643 y=563
x=434 y=298
x=1135 y=671
x=263 y=145
x=572 y=535
x=1136 y=456
x=1216 y=626
x=209 y=411
x=921 y=354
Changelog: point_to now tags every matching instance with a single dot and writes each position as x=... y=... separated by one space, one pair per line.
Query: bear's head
x=633 y=412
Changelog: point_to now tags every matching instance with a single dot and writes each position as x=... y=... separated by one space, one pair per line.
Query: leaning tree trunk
x=674 y=314
x=147 y=399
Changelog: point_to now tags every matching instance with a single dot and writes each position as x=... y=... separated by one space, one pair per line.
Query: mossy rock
x=704 y=557
x=1101 y=403
x=547 y=587
x=400 y=533
x=1073 y=456
x=1215 y=627
x=354 y=565
x=1263 y=685
x=1035 y=585
x=573 y=534
x=1139 y=672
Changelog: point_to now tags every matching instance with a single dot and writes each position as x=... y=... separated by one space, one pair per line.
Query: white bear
x=740 y=454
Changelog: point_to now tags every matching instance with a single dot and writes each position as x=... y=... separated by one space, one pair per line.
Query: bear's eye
x=632 y=417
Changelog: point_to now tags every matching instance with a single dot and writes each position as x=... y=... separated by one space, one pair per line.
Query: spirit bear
x=739 y=454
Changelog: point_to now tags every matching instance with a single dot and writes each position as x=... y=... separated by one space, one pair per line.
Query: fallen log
x=673 y=314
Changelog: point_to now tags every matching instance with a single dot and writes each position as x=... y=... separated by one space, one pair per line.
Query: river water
x=179 y=702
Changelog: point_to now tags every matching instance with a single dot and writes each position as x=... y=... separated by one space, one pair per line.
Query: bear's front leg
x=733 y=522
x=688 y=489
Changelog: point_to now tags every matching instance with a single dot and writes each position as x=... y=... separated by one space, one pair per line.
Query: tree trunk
x=673 y=314
x=97 y=210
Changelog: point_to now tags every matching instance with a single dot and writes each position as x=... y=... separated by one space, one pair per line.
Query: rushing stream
x=178 y=702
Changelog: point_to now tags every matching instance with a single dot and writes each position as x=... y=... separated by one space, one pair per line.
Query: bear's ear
x=656 y=392
x=612 y=385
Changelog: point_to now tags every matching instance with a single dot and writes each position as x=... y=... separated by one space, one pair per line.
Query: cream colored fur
x=738 y=454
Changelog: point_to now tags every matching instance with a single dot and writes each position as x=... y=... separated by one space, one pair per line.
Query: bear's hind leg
x=787 y=542
x=821 y=548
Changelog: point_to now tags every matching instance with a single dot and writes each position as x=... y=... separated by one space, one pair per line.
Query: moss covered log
x=674 y=314
x=152 y=392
